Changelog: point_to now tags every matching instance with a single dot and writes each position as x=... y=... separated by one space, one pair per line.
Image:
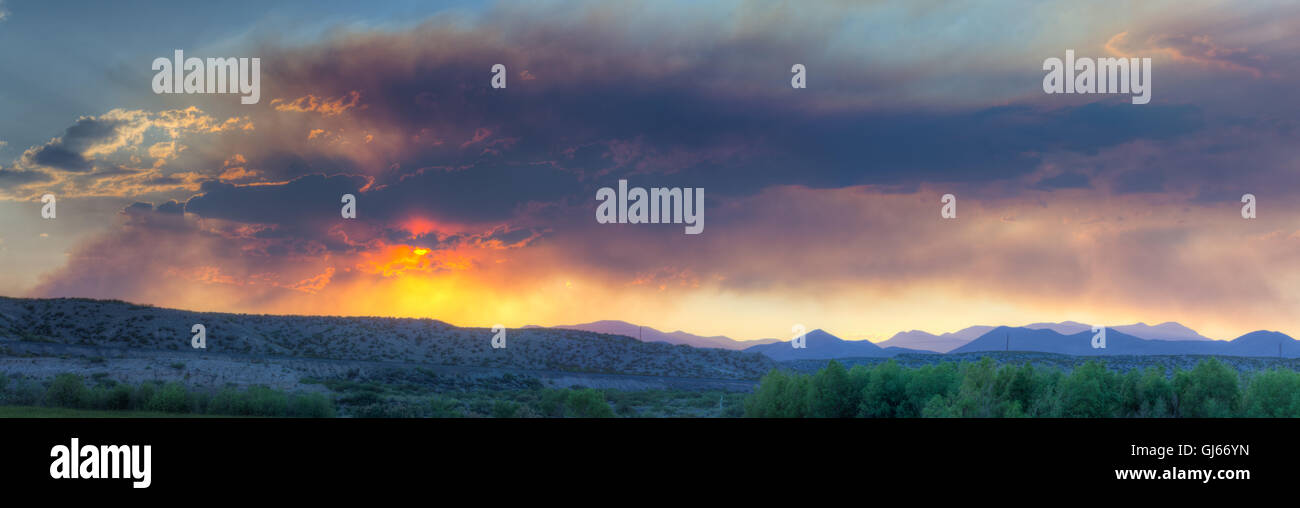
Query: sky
x=476 y=205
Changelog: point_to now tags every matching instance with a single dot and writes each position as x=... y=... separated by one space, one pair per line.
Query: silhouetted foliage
x=72 y=391
x=983 y=390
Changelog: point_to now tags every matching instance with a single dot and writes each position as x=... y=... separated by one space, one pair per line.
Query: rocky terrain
x=131 y=343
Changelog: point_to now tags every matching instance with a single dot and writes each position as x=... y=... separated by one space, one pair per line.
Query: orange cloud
x=325 y=106
x=1197 y=49
x=399 y=260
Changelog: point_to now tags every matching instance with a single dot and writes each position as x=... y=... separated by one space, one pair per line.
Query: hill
x=1163 y=331
x=1261 y=343
x=648 y=334
x=921 y=340
x=129 y=330
x=822 y=345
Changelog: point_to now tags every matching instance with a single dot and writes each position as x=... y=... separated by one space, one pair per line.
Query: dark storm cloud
x=451 y=149
x=308 y=207
x=66 y=152
x=478 y=194
x=138 y=208
x=171 y=208
x=18 y=177
x=723 y=117
x=56 y=156
x=311 y=198
x=1138 y=182
x=491 y=192
x=1067 y=180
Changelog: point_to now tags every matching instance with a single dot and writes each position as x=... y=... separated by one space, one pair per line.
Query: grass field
x=59 y=412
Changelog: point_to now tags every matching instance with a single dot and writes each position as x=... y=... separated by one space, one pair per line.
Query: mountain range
x=1163 y=331
x=648 y=334
x=823 y=346
x=1067 y=337
x=917 y=339
x=1002 y=338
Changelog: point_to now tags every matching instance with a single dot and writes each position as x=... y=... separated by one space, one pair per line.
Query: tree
x=977 y=397
x=1156 y=394
x=833 y=395
x=1273 y=394
x=1210 y=390
x=66 y=390
x=885 y=395
x=589 y=403
x=1091 y=391
x=928 y=382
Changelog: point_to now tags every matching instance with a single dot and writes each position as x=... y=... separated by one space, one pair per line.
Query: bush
x=589 y=403
x=982 y=389
x=310 y=405
x=1090 y=391
x=171 y=398
x=505 y=409
x=67 y=390
x=885 y=394
x=834 y=395
x=142 y=395
x=1273 y=394
x=1209 y=390
x=224 y=402
x=552 y=403
x=118 y=398
x=263 y=401
x=24 y=392
x=444 y=408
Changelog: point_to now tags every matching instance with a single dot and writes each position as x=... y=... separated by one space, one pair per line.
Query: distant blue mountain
x=648 y=334
x=1068 y=337
x=1163 y=331
x=896 y=350
x=824 y=346
x=947 y=342
x=925 y=341
x=1265 y=343
x=1002 y=338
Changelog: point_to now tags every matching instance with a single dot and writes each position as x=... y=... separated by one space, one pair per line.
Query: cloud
x=109 y=133
x=305 y=200
x=476 y=204
x=1065 y=180
x=105 y=155
x=18 y=178
x=1198 y=49
x=828 y=251
x=68 y=152
x=326 y=107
